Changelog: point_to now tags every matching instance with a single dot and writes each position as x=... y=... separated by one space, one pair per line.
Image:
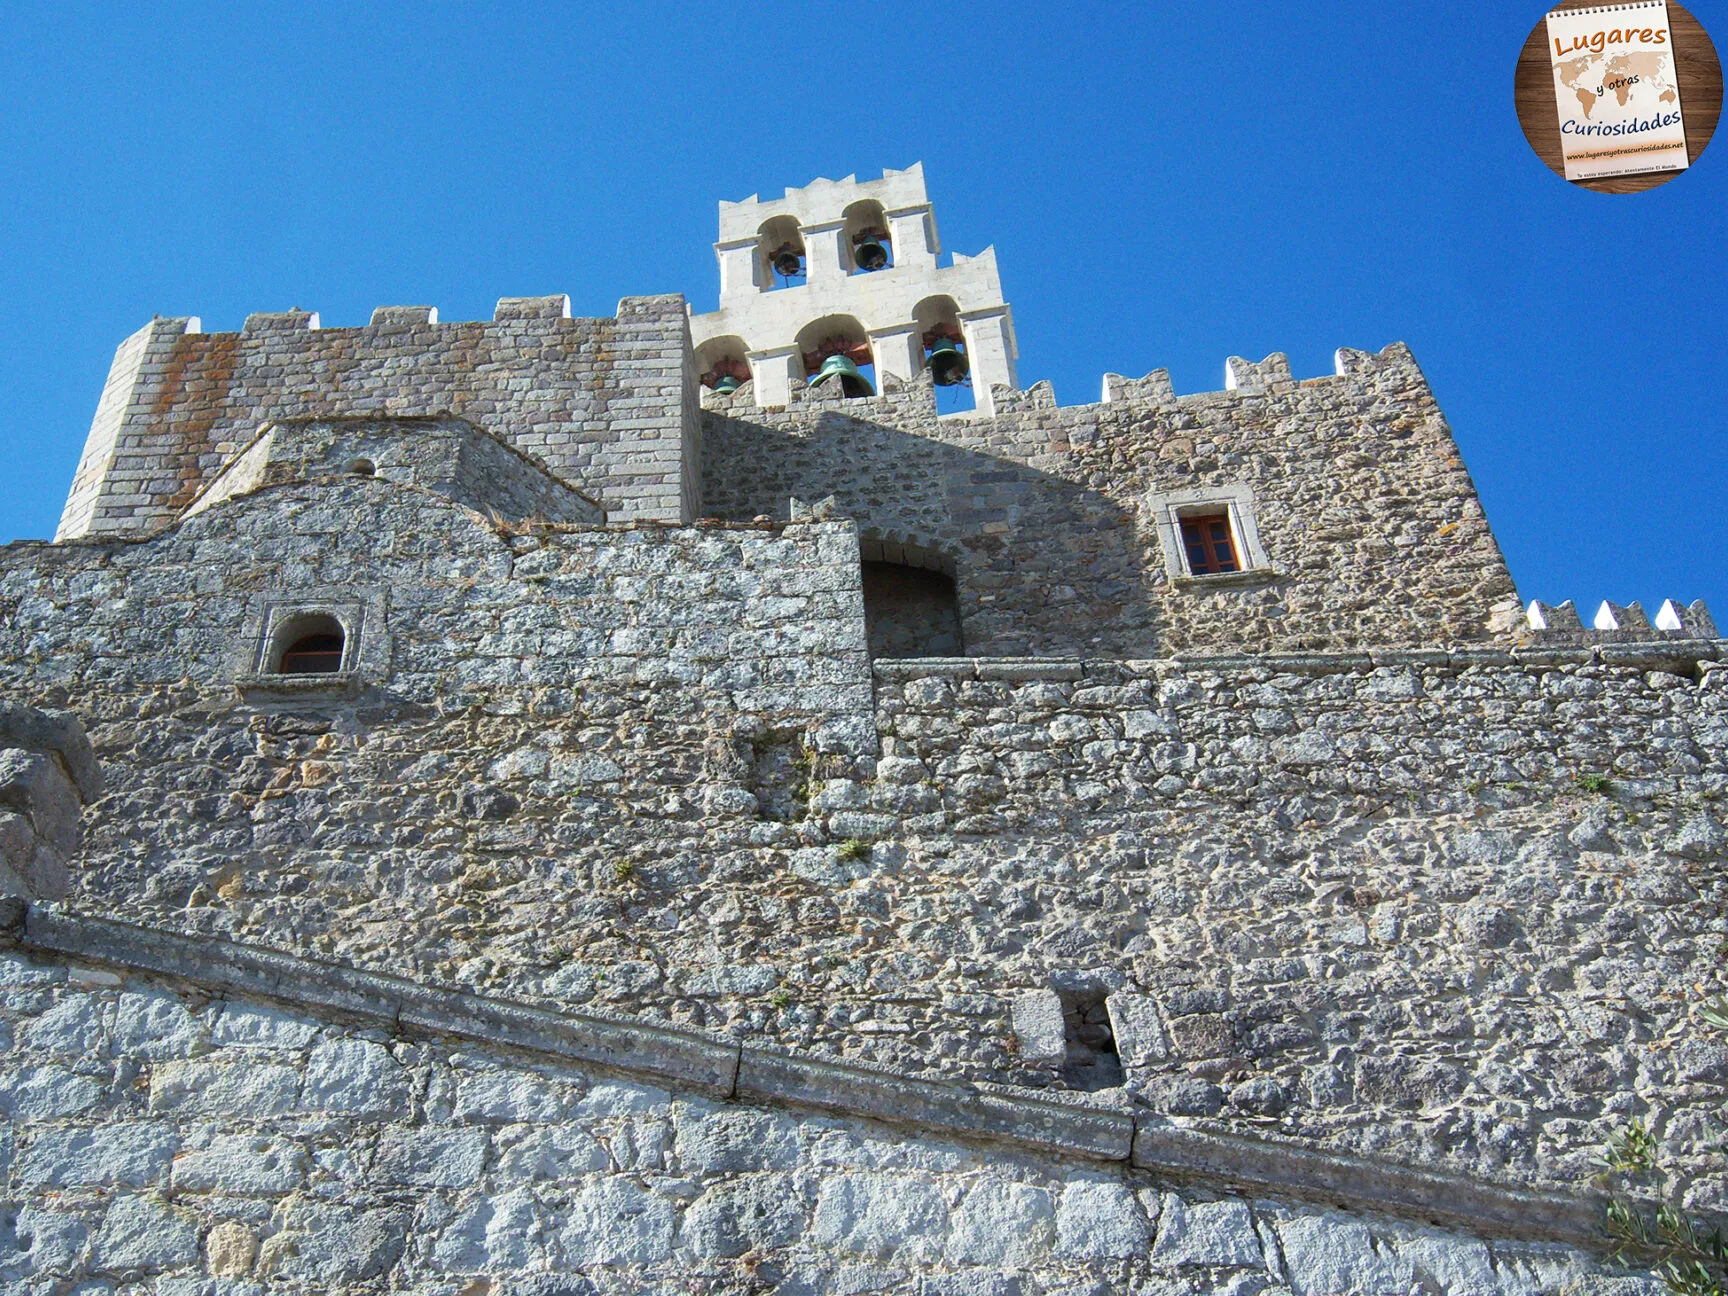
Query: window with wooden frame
x=1209 y=545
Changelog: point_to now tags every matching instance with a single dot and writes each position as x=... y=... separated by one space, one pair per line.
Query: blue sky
x=1165 y=186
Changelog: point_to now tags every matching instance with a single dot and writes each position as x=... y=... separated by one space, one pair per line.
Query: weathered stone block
x=250 y=1026
x=753 y=1213
x=74 y=1026
x=1100 y=1221
x=358 y=1078
x=242 y=1164
x=46 y=1092
x=223 y=1088
x=490 y=1234
x=555 y=1153
x=142 y=1235
x=881 y=1216
x=726 y=1141
x=616 y=1222
x=510 y=1096
x=1324 y=1254
x=430 y=1158
x=1039 y=1027
x=327 y=1244
x=155 y=1026
x=1214 y=1234
x=1000 y=1223
x=129 y=1154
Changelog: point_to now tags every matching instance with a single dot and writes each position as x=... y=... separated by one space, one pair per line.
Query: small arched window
x=311 y=645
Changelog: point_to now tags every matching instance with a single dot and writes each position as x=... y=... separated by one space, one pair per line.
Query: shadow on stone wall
x=1081 y=587
x=48 y=774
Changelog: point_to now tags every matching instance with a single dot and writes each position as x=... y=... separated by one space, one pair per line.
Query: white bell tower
x=864 y=283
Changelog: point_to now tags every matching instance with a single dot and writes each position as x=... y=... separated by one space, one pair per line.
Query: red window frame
x=1210 y=545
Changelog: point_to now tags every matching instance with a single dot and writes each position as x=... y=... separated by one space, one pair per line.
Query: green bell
x=869 y=254
x=727 y=385
x=852 y=383
x=948 y=363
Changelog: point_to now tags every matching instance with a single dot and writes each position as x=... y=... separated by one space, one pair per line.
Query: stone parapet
x=1345 y=497
x=608 y=404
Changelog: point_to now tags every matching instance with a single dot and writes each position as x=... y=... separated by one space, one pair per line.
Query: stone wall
x=158 y=1135
x=48 y=774
x=1371 y=529
x=449 y=456
x=609 y=404
x=1452 y=908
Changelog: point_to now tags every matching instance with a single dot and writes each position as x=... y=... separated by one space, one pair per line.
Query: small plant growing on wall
x=1692 y=1262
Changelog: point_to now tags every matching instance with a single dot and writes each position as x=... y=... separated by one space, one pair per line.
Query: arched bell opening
x=836 y=350
x=868 y=247
x=309 y=645
x=723 y=365
x=911 y=603
x=780 y=244
x=944 y=342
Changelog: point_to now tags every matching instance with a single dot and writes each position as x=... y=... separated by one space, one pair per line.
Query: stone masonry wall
x=159 y=1139
x=48 y=774
x=450 y=457
x=1449 y=908
x=606 y=403
x=1370 y=522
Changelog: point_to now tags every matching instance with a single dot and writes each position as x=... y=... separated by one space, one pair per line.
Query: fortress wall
x=158 y=1134
x=1366 y=514
x=1367 y=906
x=1381 y=907
x=740 y=612
x=601 y=401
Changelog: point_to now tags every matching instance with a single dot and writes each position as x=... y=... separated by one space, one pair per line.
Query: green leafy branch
x=1690 y=1261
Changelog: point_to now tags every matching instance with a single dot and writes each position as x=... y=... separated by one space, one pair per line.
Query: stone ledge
x=669 y=1054
x=934 y=1104
x=1251 y=578
x=1702 y=654
x=324 y=684
x=724 y=1069
x=1359 y=1184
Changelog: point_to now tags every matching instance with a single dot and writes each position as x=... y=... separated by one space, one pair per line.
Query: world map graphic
x=1620 y=76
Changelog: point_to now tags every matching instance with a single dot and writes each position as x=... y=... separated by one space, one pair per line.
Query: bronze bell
x=852 y=383
x=868 y=253
x=948 y=363
x=788 y=262
x=727 y=385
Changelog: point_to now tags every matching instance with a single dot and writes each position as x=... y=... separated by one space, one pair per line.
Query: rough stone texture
x=639 y=769
x=609 y=404
x=679 y=1190
x=47 y=774
x=449 y=456
x=1368 y=519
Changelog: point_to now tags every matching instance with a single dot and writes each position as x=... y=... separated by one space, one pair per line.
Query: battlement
x=606 y=403
x=824 y=200
x=1614 y=623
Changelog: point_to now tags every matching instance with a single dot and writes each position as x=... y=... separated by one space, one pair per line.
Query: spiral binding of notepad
x=1607 y=9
